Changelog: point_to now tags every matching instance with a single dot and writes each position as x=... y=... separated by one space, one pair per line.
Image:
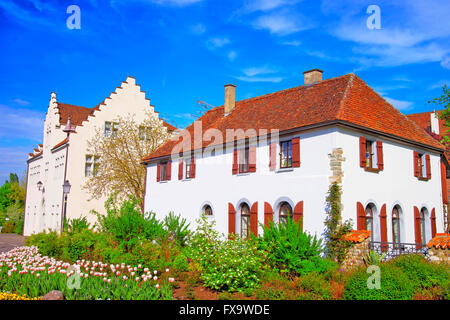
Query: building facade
x=63 y=156
x=273 y=156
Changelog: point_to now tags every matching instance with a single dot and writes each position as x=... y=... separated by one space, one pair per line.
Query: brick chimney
x=312 y=76
x=230 y=98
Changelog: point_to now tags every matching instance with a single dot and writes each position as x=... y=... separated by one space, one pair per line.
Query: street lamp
x=39 y=185
x=66 y=189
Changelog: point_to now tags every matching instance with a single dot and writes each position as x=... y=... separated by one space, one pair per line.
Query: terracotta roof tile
x=357 y=236
x=61 y=143
x=77 y=114
x=346 y=99
x=440 y=241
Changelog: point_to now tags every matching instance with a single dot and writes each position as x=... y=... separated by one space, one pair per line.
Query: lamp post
x=39 y=185
x=66 y=189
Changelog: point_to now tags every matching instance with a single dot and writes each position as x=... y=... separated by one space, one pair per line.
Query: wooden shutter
x=268 y=213
x=273 y=156
x=235 y=162
x=444 y=182
x=169 y=170
x=416 y=164
x=433 y=223
x=254 y=219
x=180 y=170
x=417 y=228
x=296 y=152
x=428 y=166
x=252 y=159
x=362 y=152
x=158 y=172
x=231 y=219
x=193 y=168
x=383 y=227
x=360 y=216
x=380 y=162
x=298 y=213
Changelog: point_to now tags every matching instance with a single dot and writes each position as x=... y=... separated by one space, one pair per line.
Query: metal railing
x=392 y=250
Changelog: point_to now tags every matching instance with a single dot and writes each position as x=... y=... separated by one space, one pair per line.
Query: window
x=111 y=128
x=286 y=154
x=244 y=160
x=188 y=168
x=370 y=154
x=423 y=213
x=396 y=226
x=163 y=172
x=245 y=221
x=207 y=210
x=285 y=212
x=144 y=133
x=369 y=220
x=92 y=164
x=422 y=165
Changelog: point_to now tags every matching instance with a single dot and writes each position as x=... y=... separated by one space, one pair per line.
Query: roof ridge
x=344 y=96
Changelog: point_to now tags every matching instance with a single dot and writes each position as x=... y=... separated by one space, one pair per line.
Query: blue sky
x=184 y=50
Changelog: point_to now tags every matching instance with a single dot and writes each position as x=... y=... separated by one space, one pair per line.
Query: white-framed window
x=111 y=128
x=92 y=165
x=207 y=210
x=285 y=212
x=188 y=168
x=422 y=165
x=286 y=154
x=245 y=221
x=144 y=133
x=244 y=159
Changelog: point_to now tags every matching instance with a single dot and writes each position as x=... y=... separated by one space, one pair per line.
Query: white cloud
x=21 y=124
x=253 y=71
x=260 y=79
x=266 y=5
x=175 y=3
x=218 y=42
x=445 y=63
x=280 y=23
x=21 y=102
x=13 y=160
x=198 y=29
x=294 y=43
x=232 y=55
x=400 y=104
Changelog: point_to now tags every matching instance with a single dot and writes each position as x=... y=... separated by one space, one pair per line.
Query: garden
x=127 y=255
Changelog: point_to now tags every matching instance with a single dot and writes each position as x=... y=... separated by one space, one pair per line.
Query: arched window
x=245 y=221
x=285 y=212
x=423 y=213
x=207 y=210
x=396 y=226
x=369 y=220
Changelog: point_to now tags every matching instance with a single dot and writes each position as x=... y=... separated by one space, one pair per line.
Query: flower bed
x=24 y=271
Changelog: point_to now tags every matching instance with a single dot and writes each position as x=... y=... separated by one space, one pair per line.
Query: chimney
x=312 y=76
x=230 y=98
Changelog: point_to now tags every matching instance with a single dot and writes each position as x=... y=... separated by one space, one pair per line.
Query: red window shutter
x=417 y=229
x=296 y=152
x=231 y=219
x=169 y=170
x=298 y=213
x=252 y=159
x=273 y=156
x=193 y=167
x=235 y=162
x=444 y=182
x=428 y=166
x=433 y=223
x=180 y=170
x=383 y=227
x=360 y=216
x=158 y=172
x=268 y=213
x=380 y=161
x=416 y=164
x=362 y=152
x=254 y=219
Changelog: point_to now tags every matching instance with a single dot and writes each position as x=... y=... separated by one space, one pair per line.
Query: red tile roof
x=357 y=236
x=346 y=99
x=61 y=143
x=77 y=114
x=440 y=241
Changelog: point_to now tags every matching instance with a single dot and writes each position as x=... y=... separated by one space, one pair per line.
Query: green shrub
x=8 y=227
x=180 y=263
x=225 y=264
x=77 y=225
x=394 y=285
x=422 y=273
x=316 y=284
x=292 y=249
x=177 y=228
x=49 y=244
x=79 y=245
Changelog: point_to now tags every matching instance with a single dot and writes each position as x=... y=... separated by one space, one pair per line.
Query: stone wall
x=336 y=160
x=355 y=255
x=439 y=255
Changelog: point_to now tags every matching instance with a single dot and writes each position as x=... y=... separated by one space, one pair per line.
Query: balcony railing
x=393 y=250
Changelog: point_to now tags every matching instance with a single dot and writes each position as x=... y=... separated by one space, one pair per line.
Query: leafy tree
x=444 y=101
x=120 y=169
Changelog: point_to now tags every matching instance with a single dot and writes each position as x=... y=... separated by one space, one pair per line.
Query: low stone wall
x=359 y=250
x=439 y=248
x=439 y=255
